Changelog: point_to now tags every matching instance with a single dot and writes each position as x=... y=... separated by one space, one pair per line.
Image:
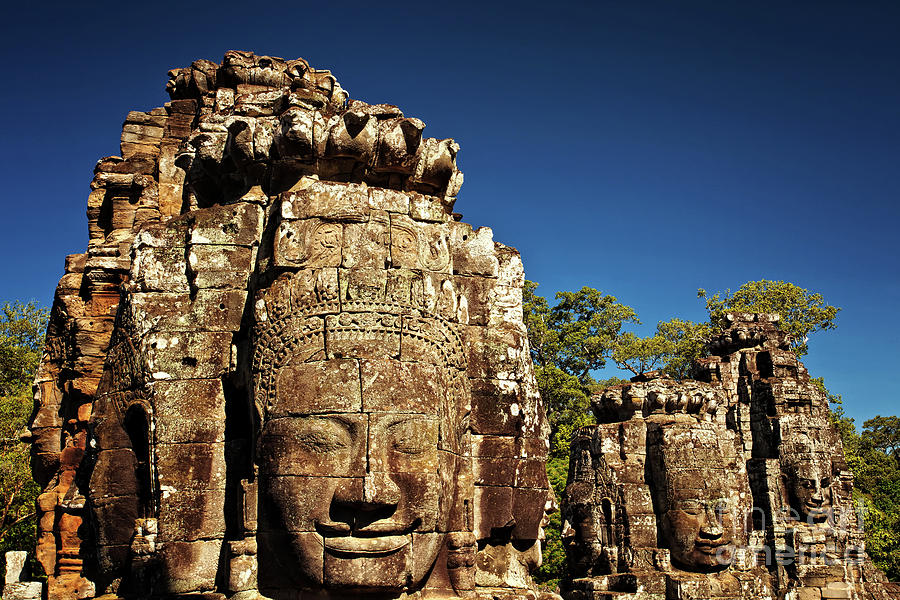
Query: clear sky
x=643 y=148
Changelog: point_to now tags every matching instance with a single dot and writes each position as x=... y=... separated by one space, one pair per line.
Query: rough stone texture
x=13 y=586
x=733 y=485
x=283 y=366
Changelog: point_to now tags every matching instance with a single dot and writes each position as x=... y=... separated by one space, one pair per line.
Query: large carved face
x=810 y=488
x=357 y=465
x=699 y=523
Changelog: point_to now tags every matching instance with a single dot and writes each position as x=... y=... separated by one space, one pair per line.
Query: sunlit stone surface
x=733 y=485
x=284 y=367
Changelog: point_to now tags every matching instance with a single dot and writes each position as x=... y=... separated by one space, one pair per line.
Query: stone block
x=207 y=310
x=23 y=590
x=367 y=244
x=160 y=270
x=388 y=200
x=187 y=429
x=187 y=354
x=188 y=515
x=394 y=386
x=473 y=251
x=190 y=566
x=237 y=224
x=219 y=267
x=309 y=243
x=191 y=466
x=15 y=563
x=495 y=471
x=207 y=399
x=326 y=200
x=493 y=509
x=318 y=387
x=496 y=407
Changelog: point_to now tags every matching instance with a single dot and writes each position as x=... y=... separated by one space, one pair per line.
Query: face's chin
x=815 y=513
x=712 y=555
x=374 y=564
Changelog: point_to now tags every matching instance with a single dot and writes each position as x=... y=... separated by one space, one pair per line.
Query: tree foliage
x=883 y=433
x=802 y=312
x=674 y=347
x=873 y=460
x=568 y=341
x=22 y=329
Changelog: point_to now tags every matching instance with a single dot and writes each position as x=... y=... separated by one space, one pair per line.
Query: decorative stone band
x=747 y=330
x=658 y=396
x=361 y=330
x=261 y=120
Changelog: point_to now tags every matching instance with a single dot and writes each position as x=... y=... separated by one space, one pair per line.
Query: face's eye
x=826 y=482
x=409 y=437
x=320 y=442
x=691 y=507
x=323 y=436
x=721 y=509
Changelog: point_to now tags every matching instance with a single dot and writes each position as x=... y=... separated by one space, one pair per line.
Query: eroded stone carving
x=284 y=366
x=729 y=486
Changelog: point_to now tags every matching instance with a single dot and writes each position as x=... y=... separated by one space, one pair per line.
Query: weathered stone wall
x=733 y=485
x=284 y=364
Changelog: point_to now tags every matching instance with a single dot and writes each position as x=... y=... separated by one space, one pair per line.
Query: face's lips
x=378 y=538
x=371 y=546
x=379 y=528
x=710 y=547
x=816 y=512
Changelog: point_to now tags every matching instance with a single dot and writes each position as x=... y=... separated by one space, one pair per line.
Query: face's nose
x=817 y=497
x=380 y=490
x=711 y=528
x=373 y=492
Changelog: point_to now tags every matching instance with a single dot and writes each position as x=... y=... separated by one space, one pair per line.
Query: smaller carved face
x=404 y=248
x=699 y=527
x=325 y=242
x=811 y=492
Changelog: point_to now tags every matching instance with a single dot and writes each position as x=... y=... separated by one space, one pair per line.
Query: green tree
x=802 y=312
x=22 y=329
x=568 y=341
x=673 y=349
x=876 y=479
x=883 y=433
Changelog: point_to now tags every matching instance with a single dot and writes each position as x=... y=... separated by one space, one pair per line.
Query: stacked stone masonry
x=284 y=367
x=732 y=485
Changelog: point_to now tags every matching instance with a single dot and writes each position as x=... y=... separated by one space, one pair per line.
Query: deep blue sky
x=643 y=148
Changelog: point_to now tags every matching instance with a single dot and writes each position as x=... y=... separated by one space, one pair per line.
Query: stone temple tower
x=284 y=367
x=731 y=485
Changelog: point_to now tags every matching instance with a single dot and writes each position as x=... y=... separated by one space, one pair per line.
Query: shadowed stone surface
x=284 y=366
x=732 y=485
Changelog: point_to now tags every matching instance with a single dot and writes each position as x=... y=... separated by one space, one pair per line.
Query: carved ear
x=461 y=551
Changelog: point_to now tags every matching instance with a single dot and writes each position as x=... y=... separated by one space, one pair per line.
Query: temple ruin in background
x=733 y=485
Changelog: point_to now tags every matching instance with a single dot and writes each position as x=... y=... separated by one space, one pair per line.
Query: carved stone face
x=810 y=490
x=352 y=468
x=698 y=527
